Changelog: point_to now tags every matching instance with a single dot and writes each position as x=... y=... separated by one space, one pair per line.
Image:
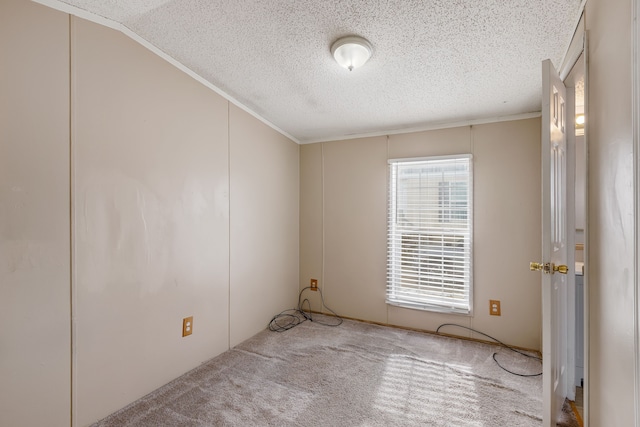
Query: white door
x=554 y=243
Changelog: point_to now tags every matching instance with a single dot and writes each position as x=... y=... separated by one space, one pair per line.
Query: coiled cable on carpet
x=494 y=354
x=293 y=317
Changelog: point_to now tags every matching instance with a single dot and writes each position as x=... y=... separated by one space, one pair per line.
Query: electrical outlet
x=187 y=326
x=494 y=307
x=314 y=284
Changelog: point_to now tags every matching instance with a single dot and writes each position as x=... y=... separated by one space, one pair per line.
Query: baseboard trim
x=427 y=331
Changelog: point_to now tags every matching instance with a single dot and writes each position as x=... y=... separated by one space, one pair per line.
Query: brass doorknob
x=563 y=269
x=536 y=266
x=548 y=268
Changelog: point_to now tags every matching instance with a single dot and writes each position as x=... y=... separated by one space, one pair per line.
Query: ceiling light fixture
x=351 y=52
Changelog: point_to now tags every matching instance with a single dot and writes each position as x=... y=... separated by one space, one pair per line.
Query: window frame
x=449 y=234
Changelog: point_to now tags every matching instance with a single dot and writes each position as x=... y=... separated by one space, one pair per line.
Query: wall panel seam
x=229 y=224
x=322 y=185
x=635 y=119
x=72 y=261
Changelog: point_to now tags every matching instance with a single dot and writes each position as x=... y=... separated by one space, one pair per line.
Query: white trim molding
x=428 y=127
x=101 y=20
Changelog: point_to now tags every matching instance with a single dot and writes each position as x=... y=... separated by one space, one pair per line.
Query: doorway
x=577 y=80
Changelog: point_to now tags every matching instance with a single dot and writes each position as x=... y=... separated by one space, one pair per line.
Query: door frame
x=578 y=47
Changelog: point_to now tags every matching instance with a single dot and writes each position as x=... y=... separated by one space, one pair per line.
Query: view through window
x=429 y=233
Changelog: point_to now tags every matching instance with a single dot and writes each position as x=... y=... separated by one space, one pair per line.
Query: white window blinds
x=429 y=259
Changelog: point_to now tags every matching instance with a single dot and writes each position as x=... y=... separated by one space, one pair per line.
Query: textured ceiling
x=434 y=61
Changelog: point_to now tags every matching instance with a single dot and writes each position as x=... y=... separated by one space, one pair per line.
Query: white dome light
x=351 y=52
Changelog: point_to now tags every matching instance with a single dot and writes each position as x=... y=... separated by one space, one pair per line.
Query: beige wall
x=151 y=220
x=35 y=325
x=343 y=200
x=610 y=242
x=181 y=204
x=264 y=224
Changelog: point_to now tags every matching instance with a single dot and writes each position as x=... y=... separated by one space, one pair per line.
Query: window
x=429 y=233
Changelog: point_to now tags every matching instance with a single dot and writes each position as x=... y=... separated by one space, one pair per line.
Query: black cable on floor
x=293 y=317
x=494 y=354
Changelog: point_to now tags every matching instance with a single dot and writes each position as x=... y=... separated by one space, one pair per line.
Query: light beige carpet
x=356 y=374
